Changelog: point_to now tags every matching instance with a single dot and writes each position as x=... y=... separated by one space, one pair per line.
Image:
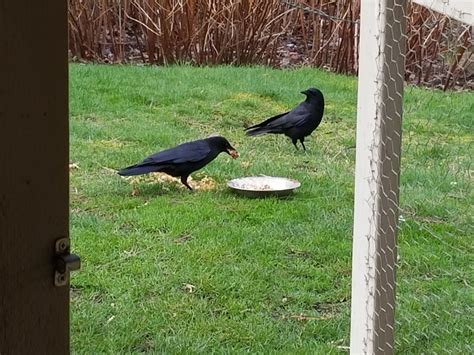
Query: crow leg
x=302 y=143
x=184 y=181
x=294 y=143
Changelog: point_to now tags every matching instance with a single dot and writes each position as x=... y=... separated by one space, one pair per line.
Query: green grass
x=270 y=275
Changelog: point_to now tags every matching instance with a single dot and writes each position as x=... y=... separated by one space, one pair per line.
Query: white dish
x=261 y=186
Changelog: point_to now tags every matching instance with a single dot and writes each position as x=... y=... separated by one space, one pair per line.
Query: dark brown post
x=34 y=314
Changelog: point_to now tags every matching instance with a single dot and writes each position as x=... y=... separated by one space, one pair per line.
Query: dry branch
x=321 y=33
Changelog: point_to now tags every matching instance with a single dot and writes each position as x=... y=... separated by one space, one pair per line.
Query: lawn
x=172 y=271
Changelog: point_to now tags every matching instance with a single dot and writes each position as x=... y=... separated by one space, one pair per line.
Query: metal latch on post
x=65 y=262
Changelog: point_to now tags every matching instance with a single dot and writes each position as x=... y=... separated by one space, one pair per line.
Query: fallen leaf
x=189 y=288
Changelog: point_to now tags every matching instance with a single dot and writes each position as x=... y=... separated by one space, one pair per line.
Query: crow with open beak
x=183 y=159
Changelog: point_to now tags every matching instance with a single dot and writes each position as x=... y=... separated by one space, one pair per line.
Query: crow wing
x=294 y=118
x=264 y=123
x=183 y=153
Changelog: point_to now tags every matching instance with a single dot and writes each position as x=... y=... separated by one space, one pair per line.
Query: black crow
x=183 y=159
x=297 y=123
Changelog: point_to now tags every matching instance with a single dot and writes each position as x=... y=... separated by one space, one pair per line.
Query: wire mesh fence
x=434 y=283
x=427 y=199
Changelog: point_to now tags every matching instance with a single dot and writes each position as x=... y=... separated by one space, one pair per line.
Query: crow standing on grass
x=297 y=123
x=183 y=159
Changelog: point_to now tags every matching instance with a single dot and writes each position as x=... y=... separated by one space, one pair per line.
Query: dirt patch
x=200 y=182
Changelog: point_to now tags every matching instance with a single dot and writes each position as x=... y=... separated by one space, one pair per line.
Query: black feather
x=297 y=123
x=181 y=160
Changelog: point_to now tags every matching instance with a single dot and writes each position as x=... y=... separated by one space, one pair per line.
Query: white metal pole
x=379 y=116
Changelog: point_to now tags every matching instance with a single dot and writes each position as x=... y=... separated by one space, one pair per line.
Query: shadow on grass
x=157 y=189
x=290 y=197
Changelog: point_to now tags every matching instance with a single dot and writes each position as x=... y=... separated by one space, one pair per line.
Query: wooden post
x=34 y=314
x=379 y=118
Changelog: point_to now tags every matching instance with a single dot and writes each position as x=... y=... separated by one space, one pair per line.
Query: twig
x=317 y=11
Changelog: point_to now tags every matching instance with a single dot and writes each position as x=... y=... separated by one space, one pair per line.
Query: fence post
x=379 y=118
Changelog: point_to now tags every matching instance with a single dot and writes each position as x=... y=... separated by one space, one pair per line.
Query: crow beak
x=233 y=153
x=304 y=92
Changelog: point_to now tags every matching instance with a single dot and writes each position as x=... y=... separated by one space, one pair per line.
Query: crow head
x=313 y=93
x=223 y=145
